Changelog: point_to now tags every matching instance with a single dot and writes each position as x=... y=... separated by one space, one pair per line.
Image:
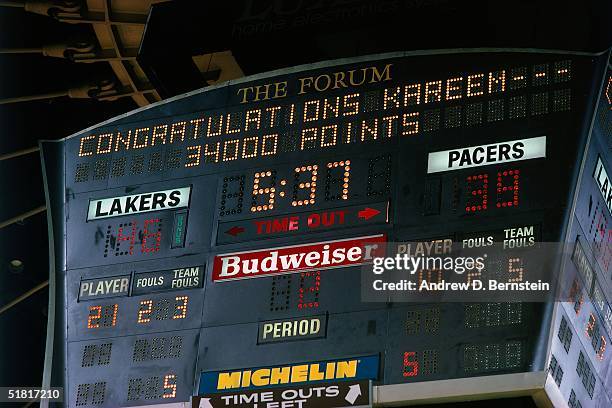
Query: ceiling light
x=16 y=266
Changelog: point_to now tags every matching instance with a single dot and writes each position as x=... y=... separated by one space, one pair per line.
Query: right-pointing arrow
x=353 y=393
x=368 y=213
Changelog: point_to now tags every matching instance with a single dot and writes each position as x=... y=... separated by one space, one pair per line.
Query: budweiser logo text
x=298 y=258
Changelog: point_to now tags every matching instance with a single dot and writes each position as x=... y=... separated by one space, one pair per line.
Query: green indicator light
x=178 y=232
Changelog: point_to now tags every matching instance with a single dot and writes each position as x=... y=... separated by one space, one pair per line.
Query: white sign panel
x=603 y=182
x=139 y=203
x=476 y=156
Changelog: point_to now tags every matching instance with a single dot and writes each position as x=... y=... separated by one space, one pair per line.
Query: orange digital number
x=268 y=193
x=144 y=311
x=309 y=186
x=342 y=181
x=473 y=274
x=515 y=270
x=430 y=275
x=169 y=386
x=95 y=314
x=181 y=307
x=102 y=316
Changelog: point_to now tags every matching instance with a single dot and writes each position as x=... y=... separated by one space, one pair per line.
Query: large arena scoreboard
x=183 y=233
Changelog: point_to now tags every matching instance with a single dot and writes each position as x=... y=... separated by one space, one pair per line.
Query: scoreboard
x=182 y=232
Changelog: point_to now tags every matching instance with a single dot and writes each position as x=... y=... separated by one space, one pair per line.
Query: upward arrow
x=205 y=403
x=353 y=393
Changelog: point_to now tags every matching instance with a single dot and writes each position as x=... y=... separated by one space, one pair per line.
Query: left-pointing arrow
x=234 y=231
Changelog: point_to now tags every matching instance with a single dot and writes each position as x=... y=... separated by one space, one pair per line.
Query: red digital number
x=125 y=241
x=600 y=235
x=590 y=325
x=308 y=294
x=602 y=349
x=477 y=189
x=149 y=235
x=507 y=188
x=598 y=343
x=411 y=364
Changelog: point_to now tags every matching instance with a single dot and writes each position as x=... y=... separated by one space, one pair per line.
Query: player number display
x=152 y=387
x=162 y=309
x=131 y=238
x=105 y=316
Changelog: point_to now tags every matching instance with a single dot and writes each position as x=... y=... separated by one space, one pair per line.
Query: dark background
x=23 y=327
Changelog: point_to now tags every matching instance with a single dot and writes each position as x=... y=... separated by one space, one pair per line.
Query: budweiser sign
x=298 y=258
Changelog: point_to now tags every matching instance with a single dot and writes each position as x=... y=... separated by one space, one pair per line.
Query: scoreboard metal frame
x=148 y=209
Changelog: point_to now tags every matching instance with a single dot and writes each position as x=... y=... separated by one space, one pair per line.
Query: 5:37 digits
x=305 y=185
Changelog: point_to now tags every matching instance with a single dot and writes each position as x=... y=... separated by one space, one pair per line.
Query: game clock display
x=306 y=186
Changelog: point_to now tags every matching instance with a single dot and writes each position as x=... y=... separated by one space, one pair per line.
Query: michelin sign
x=358 y=368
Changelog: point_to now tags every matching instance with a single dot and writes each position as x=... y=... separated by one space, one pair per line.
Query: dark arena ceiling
x=67 y=65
